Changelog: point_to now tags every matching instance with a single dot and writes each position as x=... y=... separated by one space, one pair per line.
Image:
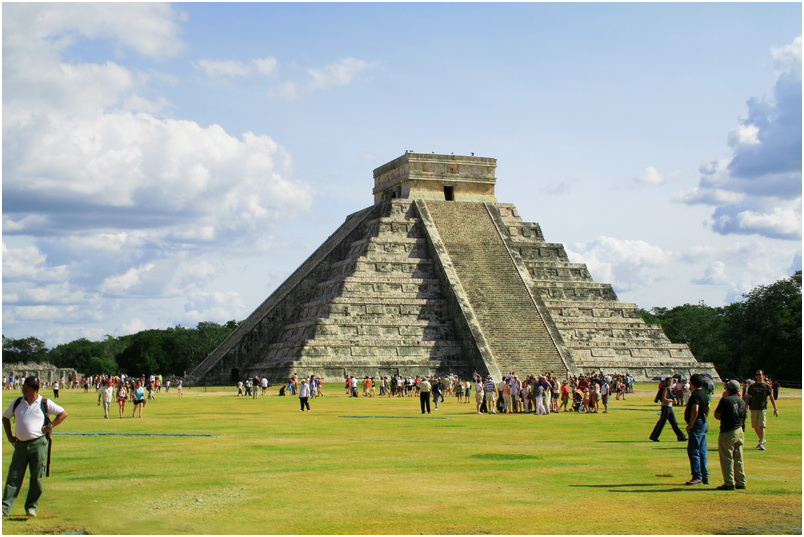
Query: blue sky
x=166 y=164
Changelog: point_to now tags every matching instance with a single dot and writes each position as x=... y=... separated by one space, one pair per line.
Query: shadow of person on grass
x=642 y=490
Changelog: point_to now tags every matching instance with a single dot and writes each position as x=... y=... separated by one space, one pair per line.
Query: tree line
x=763 y=331
x=172 y=351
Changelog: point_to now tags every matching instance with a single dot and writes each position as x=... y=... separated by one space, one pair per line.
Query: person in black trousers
x=666 y=397
x=424 y=394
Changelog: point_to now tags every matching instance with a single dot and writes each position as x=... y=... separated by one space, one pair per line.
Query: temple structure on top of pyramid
x=439 y=277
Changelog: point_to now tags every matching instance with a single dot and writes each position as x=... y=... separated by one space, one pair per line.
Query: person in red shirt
x=583 y=384
x=564 y=395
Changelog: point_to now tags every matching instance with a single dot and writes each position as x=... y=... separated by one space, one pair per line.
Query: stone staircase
x=379 y=310
x=599 y=331
x=509 y=318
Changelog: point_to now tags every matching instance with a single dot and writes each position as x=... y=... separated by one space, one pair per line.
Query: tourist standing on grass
x=605 y=391
x=594 y=395
x=564 y=395
x=538 y=397
x=31 y=439
x=695 y=415
x=505 y=388
x=758 y=395
x=353 y=386
x=122 y=397
x=105 y=397
x=731 y=411
x=555 y=389
x=490 y=391
x=424 y=394
x=304 y=395
x=479 y=395
x=666 y=397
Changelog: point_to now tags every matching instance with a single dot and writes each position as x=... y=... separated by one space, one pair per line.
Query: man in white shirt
x=106 y=396
x=30 y=444
x=424 y=394
x=304 y=395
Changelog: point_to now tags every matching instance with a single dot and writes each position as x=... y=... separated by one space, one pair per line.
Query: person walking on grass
x=122 y=397
x=695 y=414
x=758 y=395
x=139 y=399
x=438 y=393
x=31 y=440
x=731 y=411
x=304 y=395
x=105 y=397
x=666 y=397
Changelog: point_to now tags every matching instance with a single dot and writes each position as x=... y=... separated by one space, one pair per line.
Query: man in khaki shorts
x=490 y=389
x=758 y=395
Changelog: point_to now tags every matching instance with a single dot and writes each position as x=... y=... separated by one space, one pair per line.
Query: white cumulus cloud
x=649 y=176
x=758 y=190
x=104 y=197
x=625 y=264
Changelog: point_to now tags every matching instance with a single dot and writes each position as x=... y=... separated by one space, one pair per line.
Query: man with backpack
x=31 y=441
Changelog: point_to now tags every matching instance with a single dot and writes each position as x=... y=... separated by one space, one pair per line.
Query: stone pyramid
x=439 y=277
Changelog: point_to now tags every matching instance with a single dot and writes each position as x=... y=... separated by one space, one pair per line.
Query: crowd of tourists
x=124 y=389
x=254 y=387
x=112 y=389
x=539 y=394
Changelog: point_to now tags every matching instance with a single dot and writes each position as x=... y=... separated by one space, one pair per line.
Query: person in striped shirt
x=491 y=395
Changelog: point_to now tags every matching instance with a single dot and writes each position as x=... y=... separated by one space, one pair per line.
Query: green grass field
x=376 y=466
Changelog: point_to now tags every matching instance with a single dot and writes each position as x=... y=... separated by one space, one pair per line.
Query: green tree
x=703 y=328
x=86 y=357
x=765 y=330
x=761 y=332
x=29 y=349
x=173 y=351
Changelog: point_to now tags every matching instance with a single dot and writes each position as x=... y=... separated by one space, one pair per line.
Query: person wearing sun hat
x=30 y=441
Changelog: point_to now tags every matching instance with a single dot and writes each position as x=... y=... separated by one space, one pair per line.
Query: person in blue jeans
x=695 y=415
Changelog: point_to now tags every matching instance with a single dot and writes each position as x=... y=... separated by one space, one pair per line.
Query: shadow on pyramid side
x=438 y=277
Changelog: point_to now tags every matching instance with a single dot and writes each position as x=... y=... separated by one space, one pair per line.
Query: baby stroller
x=577 y=401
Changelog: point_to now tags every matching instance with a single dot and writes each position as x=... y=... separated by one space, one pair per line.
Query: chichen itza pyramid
x=439 y=277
